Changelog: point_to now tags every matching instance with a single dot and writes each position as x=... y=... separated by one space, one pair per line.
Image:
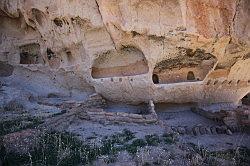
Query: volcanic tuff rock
x=114 y=47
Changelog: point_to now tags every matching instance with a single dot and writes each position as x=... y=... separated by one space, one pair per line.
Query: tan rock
x=130 y=50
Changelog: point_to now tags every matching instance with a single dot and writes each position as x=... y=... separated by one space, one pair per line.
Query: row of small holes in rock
x=120 y=79
x=224 y=82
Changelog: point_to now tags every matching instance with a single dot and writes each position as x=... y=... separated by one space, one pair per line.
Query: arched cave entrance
x=155 y=79
x=128 y=61
x=190 y=76
x=188 y=66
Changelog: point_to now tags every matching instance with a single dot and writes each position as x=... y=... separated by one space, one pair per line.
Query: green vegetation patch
x=132 y=148
x=57 y=148
x=152 y=140
x=239 y=155
x=170 y=138
x=15 y=125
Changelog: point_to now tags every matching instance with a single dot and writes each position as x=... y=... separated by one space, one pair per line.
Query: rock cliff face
x=129 y=50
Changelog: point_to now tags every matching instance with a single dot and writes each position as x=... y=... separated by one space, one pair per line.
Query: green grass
x=170 y=138
x=152 y=140
x=65 y=149
x=56 y=149
x=133 y=147
x=121 y=138
x=15 y=125
x=239 y=156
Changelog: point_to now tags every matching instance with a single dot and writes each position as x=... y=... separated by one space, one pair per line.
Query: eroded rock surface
x=129 y=50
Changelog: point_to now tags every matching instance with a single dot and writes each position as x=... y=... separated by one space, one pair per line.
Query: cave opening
x=190 y=76
x=128 y=61
x=58 y=22
x=155 y=79
x=30 y=54
x=50 y=53
x=188 y=66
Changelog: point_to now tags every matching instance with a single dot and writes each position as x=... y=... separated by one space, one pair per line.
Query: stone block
x=181 y=130
x=208 y=130
x=135 y=116
x=202 y=130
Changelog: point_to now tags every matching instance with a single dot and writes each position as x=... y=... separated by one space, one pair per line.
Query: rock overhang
x=72 y=40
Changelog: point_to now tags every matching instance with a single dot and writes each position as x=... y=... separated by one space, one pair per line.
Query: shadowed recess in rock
x=128 y=61
x=30 y=54
x=188 y=66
